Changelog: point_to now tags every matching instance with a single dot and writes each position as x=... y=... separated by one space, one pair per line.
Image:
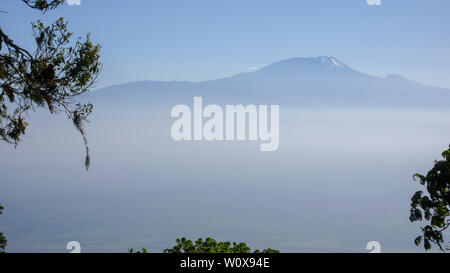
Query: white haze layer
x=340 y=178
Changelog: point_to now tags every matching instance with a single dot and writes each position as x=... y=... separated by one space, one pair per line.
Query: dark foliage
x=52 y=77
x=2 y=238
x=209 y=245
x=434 y=206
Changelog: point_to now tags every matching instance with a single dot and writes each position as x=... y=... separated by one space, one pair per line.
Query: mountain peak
x=328 y=61
x=331 y=61
x=297 y=64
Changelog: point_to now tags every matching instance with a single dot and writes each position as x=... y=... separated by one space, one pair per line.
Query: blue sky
x=201 y=40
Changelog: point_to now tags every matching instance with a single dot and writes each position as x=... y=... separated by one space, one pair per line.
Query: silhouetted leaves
x=209 y=245
x=2 y=238
x=434 y=207
x=143 y=250
x=51 y=77
x=43 y=5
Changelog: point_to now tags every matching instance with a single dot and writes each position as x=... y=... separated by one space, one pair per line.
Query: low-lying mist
x=340 y=178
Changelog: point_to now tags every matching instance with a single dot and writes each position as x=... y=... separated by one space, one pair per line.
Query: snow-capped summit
x=312 y=64
x=331 y=61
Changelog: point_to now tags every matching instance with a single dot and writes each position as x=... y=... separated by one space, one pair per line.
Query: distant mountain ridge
x=323 y=80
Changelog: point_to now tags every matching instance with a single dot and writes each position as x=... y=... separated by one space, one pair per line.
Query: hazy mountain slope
x=296 y=81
